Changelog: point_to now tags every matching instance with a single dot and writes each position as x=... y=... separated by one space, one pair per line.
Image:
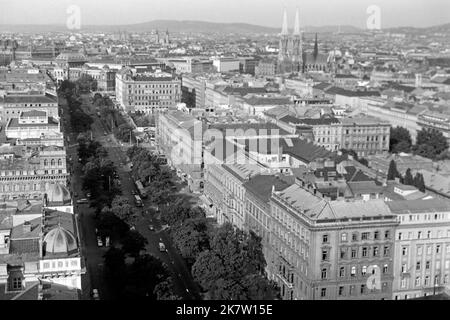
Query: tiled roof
x=310 y=122
x=304 y=150
x=417 y=206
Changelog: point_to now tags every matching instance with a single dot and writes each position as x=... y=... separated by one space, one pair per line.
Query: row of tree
x=430 y=143
x=79 y=121
x=227 y=263
x=416 y=181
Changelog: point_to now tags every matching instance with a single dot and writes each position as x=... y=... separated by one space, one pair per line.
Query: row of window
x=353 y=290
x=365 y=270
x=377 y=235
x=419 y=283
x=429 y=249
x=423 y=235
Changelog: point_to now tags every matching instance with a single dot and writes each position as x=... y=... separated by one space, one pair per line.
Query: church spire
x=284 y=28
x=316 y=48
x=297 y=24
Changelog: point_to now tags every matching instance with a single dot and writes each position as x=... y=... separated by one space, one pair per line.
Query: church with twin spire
x=291 y=56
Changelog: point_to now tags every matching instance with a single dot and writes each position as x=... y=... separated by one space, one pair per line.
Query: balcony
x=286 y=282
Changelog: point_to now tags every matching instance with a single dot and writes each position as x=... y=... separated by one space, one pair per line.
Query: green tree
x=408 y=179
x=419 y=182
x=191 y=237
x=400 y=140
x=393 y=172
x=115 y=269
x=133 y=243
x=123 y=210
x=165 y=291
x=430 y=143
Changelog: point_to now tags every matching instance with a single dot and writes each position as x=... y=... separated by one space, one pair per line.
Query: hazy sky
x=418 y=13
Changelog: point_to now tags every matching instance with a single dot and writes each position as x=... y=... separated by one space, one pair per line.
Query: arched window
x=52 y=163
x=45 y=162
x=59 y=162
x=324 y=273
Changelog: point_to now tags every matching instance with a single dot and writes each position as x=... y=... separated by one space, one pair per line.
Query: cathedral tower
x=297 y=46
x=283 y=54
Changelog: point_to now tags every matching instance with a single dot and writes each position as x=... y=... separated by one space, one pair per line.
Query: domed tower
x=59 y=241
x=57 y=196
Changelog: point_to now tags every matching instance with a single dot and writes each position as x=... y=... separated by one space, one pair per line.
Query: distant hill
x=190 y=26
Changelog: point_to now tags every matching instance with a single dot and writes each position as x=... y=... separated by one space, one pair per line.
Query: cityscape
x=187 y=160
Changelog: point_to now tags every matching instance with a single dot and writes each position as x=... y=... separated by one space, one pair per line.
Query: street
x=184 y=285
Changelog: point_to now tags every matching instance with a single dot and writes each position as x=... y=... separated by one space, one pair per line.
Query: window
x=325 y=238
x=419 y=251
x=446 y=279
x=344 y=237
x=343 y=253
x=417 y=282
x=399 y=236
x=438 y=249
x=447 y=264
x=427 y=265
x=342 y=272
x=429 y=250
x=355 y=237
x=353 y=272
x=386 y=251
x=403 y=268
x=376 y=235
x=364 y=251
x=341 y=291
x=365 y=236
x=385 y=268
x=375 y=251
x=364 y=270
x=404 y=251
x=46 y=265
x=419 y=234
x=387 y=234
x=403 y=283
x=354 y=253
x=352 y=290
x=363 y=289
x=324 y=273
x=17 y=283
x=325 y=255
x=323 y=292
x=427 y=280
x=418 y=265
x=428 y=234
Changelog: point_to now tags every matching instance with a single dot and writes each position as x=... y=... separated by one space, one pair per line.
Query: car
x=82 y=201
x=99 y=241
x=162 y=247
x=95 y=294
x=88 y=194
x=151 y=228
x=105 y=134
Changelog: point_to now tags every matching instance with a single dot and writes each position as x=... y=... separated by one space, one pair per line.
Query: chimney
x=26 y=227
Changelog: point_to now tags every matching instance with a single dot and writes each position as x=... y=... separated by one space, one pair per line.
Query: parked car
x=152 y=228
x=162 y=247
x=82 y=201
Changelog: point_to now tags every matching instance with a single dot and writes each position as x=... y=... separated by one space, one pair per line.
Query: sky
x=393 y=13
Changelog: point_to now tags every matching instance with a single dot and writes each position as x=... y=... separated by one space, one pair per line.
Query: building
x=422 y=248
x=365 y=135
x=266 y=68
x=147 y=92
x=39 y=243
x=403 y=162
x=179 y=136
x=12 y=106
x=27 y=172
x=329 y=250
x=32 y=124
x=224 y=65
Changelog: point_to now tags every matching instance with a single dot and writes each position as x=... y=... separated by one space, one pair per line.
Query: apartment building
x=11 y=106
x=365 y=135
x=179 y=136
x=32 y=124
x=334 y=250
x=147 y=92
x=422 y=248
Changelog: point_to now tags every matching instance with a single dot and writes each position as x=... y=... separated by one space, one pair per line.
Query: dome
x=71 y=57
x=59 y=240
x=58 y=194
